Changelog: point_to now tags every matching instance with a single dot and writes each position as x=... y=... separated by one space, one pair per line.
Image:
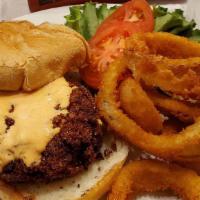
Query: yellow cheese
x=32 y=114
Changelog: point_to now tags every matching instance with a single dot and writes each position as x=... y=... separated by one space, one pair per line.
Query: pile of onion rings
x=161 y=89
x=169 y=62
x=152 y=176
x=177 y=147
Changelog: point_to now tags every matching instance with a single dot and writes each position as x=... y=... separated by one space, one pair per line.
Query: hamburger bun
x=8 y=193
x=89 y=185
x=32 y=56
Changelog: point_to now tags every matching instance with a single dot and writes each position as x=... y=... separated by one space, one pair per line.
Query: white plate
x=56 y=15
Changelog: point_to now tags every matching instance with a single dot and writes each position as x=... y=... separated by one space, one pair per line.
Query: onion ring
x=137 y=105
x=169 y=62
x=177 y=76
x=151 y=176
x=184 y=111
x=162 y=43
x=184 y=146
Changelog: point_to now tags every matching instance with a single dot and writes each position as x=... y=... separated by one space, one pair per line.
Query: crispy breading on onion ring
x=9 y=193
x=164 y=44
x=139 y=106
x=184 y=111
x=151 y=176
x=183 y=146
x=169 y=62
x=178 y=76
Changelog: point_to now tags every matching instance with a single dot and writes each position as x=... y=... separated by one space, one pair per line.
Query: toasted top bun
x=89 y=185
x=32 y=56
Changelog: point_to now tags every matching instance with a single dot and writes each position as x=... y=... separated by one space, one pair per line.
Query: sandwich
x=52 y=142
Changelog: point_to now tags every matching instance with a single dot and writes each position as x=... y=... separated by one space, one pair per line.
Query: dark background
x=36 y=5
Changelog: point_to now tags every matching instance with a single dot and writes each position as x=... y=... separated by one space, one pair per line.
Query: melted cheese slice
x=32 y=114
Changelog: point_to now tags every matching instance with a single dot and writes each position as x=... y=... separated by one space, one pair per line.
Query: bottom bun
x=89 y=185
x=9 y=193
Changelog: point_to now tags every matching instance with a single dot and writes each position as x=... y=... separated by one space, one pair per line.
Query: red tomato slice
x=109 y=41
x=130 y=12
x=119 y=29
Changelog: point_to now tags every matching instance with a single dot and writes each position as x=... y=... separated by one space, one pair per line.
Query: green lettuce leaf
x=86 y=18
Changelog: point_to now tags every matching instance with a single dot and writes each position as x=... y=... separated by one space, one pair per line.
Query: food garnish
x=152 y=176
x=175 y=22
x=109 y=41
x=86 y=18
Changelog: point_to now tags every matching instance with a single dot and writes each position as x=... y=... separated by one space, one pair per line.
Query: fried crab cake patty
x=70 y=151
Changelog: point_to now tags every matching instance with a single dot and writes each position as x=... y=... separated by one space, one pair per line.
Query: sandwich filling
x=26 y=121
